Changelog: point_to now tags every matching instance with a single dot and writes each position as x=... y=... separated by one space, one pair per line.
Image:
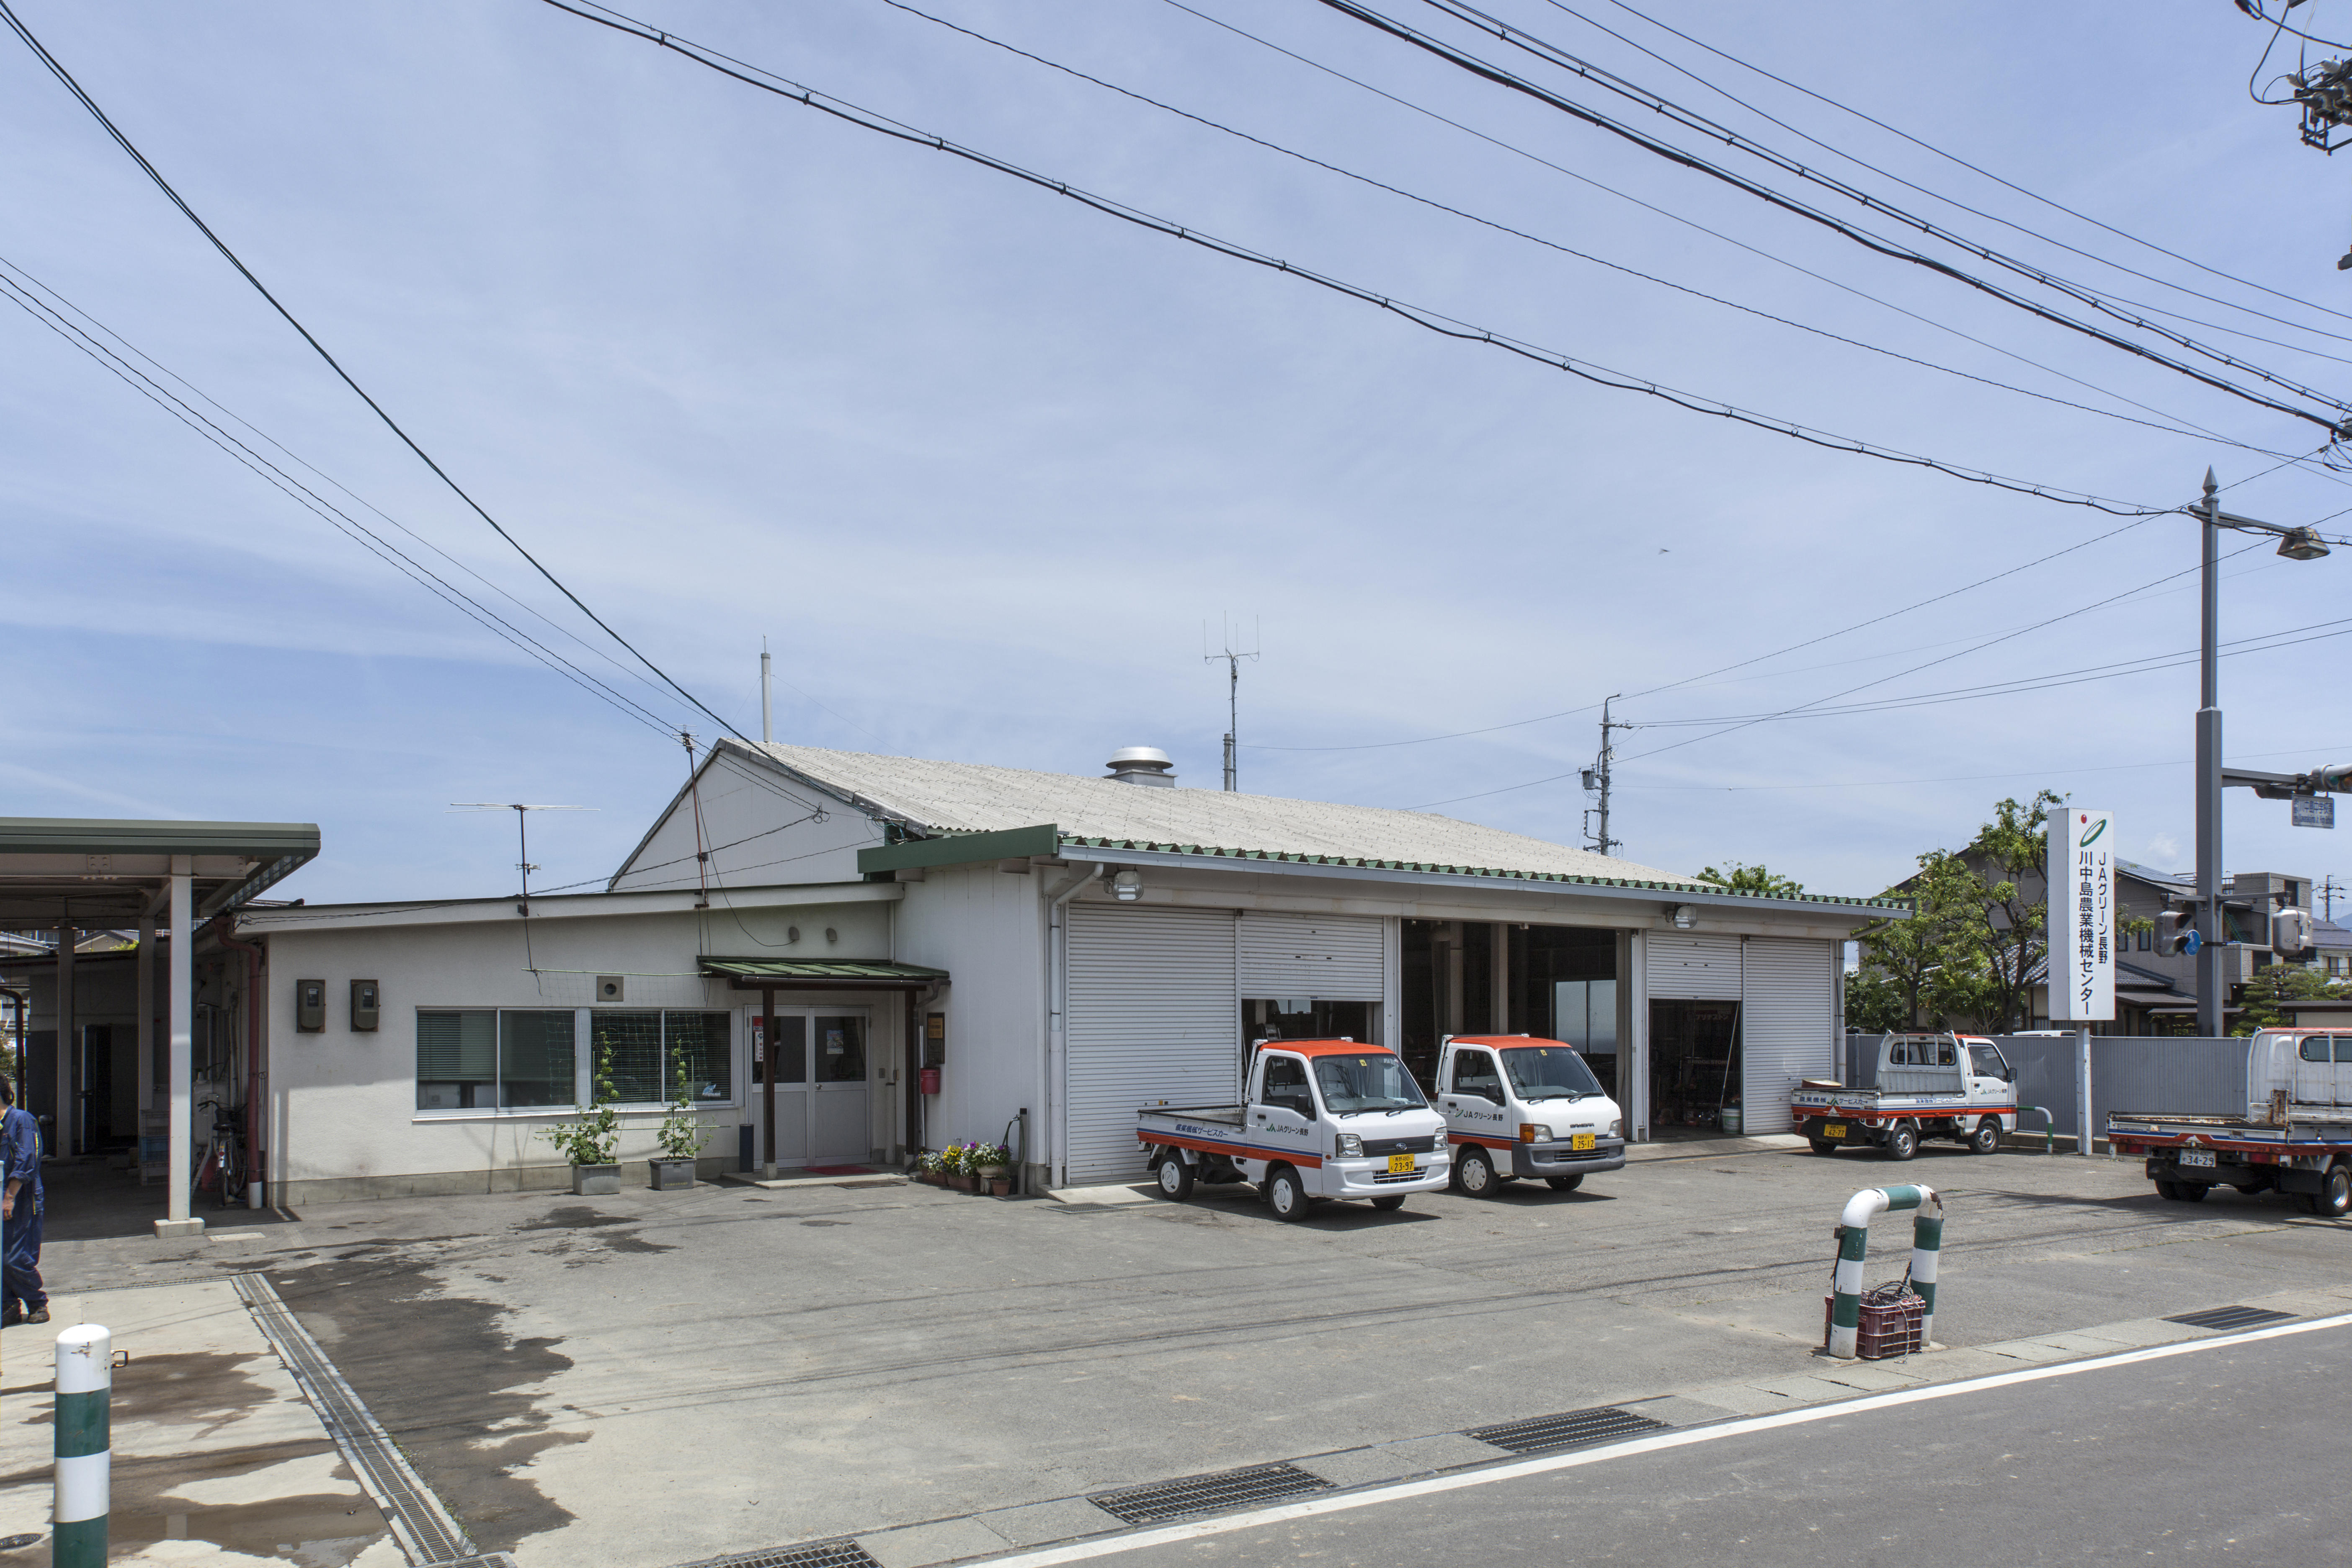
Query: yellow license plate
x=1832 y=1129
x=1400 y=1164
x=1580 y=1141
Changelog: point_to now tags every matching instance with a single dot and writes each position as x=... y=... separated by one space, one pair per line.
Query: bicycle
x=222 y=1164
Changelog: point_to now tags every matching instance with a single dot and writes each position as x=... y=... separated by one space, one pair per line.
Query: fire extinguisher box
x=931 y=1080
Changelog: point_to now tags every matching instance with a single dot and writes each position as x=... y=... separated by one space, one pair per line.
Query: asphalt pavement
x=2221 y=1450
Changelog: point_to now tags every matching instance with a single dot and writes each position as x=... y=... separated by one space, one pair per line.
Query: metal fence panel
x=2128 y=1073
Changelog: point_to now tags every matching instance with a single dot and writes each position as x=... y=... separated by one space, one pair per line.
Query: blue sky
x=979 y=464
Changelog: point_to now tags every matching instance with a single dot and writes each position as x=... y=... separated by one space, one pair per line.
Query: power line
x=1691 y=224
x=1962 y=163
x=88 y=102
x=2193 y=431
x=1421 y=316
x=1958 y=778
x=2339 y=424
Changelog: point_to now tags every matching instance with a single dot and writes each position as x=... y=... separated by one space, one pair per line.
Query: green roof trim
x=1711 y=889
x=961 y=850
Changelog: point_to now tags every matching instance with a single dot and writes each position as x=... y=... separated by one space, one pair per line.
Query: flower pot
x=673 y=1175
x=595 y=1180
x=964 y=1183
x=999 y=1186
x=990 y=1172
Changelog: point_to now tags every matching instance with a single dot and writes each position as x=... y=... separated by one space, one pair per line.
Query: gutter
x=1053 y=1089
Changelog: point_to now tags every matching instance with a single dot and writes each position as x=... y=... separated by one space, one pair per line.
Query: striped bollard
x=84 y=1447
x=1853 y=1244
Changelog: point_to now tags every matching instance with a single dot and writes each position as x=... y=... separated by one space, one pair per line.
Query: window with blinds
x=484 y=1058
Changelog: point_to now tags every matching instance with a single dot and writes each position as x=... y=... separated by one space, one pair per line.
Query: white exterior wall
x=342 y=1114
x=986 y=929
x=741 y=828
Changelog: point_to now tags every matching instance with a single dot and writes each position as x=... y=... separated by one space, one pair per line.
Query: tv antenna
x=1232 y=658
x=522 y=845
x=1596 y=781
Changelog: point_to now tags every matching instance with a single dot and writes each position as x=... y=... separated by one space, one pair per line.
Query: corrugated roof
x=818 y=969
x=936 y=797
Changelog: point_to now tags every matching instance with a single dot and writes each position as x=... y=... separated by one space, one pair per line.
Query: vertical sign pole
x=2083 y=1090
x=2079 y=923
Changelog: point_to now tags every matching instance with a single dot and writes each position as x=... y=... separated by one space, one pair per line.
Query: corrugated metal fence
x=2128 y=1073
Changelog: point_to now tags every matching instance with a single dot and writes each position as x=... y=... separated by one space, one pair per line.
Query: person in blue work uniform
x=22 y=1299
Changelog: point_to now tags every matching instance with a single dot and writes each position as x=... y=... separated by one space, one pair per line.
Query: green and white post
x=84 y=1447
x=1853 y=1245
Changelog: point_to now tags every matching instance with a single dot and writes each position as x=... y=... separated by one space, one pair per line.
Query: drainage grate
x=842 y=1553
x=1208 y=1494
x=1572 y=1430
x=2231 y=1317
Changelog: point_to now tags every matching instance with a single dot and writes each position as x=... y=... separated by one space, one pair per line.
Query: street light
x=2296 y=544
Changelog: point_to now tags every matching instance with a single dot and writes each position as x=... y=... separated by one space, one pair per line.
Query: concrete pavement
x=659 y=1378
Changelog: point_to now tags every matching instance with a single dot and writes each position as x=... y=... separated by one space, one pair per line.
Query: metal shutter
x=1337 y=959
x=1786 y=1026
x=1693 y=968
x=1152 y=1017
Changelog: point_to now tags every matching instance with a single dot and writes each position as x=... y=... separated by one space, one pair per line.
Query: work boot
x=39 y=1314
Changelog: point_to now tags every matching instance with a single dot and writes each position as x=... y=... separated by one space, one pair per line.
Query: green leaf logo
x=2093 y=836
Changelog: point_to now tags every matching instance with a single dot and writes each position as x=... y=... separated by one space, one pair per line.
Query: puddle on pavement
x=322 y=1531
x=207 y=1386
x=574 y=1216
x=440 y=1371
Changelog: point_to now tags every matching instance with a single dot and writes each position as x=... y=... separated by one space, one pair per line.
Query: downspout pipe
x=1853 y=1244
x=1055 y=1135
x=257 y=1077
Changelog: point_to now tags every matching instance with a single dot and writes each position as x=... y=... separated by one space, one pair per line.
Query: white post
x=1498 y=985
x=146 y=982
x=183 y=993
x=2083 y=1090
x=61 y=1139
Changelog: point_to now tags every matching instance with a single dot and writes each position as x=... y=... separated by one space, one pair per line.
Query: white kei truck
x=1323 y=1119
x=1519 y=1107
x=2287 y=1129
x=1929 y=1085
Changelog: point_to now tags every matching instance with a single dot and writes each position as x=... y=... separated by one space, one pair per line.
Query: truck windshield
x=1549 y=1072
x=1353 y=1085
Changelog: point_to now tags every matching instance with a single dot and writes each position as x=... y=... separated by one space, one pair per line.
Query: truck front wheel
x=1902 y=1140
x=1986 y=1139
x=1284 y=1194
x=1394 y=1201
x=1175 y=1177
x=1473 y=1173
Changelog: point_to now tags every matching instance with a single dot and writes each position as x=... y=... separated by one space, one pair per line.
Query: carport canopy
x=72 y=874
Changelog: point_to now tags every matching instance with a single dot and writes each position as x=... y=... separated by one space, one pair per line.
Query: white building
x=950 y=949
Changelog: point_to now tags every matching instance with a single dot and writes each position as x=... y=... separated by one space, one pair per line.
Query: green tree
x=2008 y=931
x=1753 y=879
x=1926 y=970
x=2276 y=983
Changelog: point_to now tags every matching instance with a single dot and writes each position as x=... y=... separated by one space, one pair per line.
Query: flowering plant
x=980 y=1156
x=682 y=1133
x=931 y=1160
x=592 y=1138
x=951 y=1160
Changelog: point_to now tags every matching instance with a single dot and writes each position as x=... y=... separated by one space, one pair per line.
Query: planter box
x=672 y=1176
x=595 y=1180
x=964 y=1183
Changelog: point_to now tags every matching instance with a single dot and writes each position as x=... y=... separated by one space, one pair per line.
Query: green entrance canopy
x=822 y=974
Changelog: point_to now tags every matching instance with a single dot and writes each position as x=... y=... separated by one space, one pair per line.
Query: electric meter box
x=363 y=1005
x=310 y=1006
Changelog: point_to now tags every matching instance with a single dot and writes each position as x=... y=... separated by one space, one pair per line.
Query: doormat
x=838 y=1169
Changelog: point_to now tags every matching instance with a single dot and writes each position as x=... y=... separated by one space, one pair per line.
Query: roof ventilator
x=1143 y=765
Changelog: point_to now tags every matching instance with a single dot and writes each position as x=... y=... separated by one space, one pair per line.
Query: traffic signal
x=2176 y=932
x=2291 y=932
x=2333 y=777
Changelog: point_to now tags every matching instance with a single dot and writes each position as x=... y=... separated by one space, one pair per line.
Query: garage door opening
x=1695 y=1069
x=1307 y=1019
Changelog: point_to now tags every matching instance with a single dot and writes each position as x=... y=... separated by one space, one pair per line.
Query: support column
x=183 y=992
x=145 y=965
x=62 y=1139
x=1498 y=1007
x=1634 y=1050
x=2082 y=1127
x=768 y=1172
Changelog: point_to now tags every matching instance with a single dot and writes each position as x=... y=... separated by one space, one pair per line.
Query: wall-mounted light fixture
x=1686 y=917
x=1127 y=887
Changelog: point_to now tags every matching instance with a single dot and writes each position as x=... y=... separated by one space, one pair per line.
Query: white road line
x=1080 y=1550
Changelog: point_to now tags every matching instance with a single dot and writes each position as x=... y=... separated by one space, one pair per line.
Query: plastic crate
x=1891 y=1319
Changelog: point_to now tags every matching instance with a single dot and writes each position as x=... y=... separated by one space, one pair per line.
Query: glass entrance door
x=821 y=1096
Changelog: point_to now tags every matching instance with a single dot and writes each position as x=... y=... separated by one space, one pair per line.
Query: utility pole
x=1596 y=781
x=2327 y=891
x=767 y=697
x=1232 y=700
x=2296 y=544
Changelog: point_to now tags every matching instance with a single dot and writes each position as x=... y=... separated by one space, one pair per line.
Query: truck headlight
x=1617 y=1128
x=1534 y=1132
x=1438 y=1142
x=1351 y=1145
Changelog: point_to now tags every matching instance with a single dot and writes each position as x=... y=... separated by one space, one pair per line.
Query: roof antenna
x=1232 y=658
x=767 y=697
x=522 y=845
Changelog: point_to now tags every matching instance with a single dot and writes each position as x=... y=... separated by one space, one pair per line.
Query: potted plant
x=930 y=1168
x=589 y=1141
x=956 y=1157
x=990 y=1163
x=681 y=1135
